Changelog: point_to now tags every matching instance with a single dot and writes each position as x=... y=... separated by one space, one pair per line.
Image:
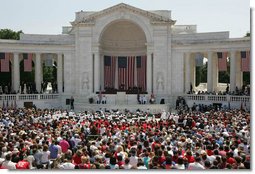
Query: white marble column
x=16 y=72
x=193 y=71
x=148 y=73
x=215 y=72
x=210 y=72
x=68 y=85
x=60 y=73
x=96 y=72
x=232 y=71
x=187 y=72
x=38 y=72
x=239 y=73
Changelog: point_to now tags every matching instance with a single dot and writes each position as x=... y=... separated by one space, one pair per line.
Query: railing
x=217 y=98
x=29 y=97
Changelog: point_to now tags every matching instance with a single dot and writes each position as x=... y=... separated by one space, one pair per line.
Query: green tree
x=10 y=34
x=248 y=34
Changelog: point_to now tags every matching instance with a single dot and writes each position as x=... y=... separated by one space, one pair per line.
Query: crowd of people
x=28 y=88
x=58 y=139
x=244 y=91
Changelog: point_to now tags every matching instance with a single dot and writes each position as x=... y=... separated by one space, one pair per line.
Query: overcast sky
x=48 y=16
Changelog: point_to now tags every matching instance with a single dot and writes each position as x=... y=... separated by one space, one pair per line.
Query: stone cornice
x=219 y=45
x=154 y=18
x=225 y=41
x=31 y=47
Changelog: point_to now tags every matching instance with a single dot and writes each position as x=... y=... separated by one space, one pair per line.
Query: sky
x=48 y=16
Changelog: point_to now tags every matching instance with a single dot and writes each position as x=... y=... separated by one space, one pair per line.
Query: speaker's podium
x=121 y=98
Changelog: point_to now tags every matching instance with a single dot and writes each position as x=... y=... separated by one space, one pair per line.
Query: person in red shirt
x=162 y=157
x=64 y=145
x=76 y=159
x=120 y=160
x=189 y=157
x=85 y=164
x=23 y=164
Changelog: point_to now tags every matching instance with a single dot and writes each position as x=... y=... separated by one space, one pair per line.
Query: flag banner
x=245 y=61
x=131 y=72
x=141 y=63
x=122 y=73
x=109 y=71
x=5 y=60
x=222 y=61
x=27 y=62
x=199 y=59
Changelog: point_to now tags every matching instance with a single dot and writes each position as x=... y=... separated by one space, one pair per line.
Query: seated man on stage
x=98 y=99
x=140 y=99
x=144 y=100
x=152 y=99
x=104 y=99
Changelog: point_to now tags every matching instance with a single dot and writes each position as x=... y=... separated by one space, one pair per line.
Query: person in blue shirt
x=53 y=150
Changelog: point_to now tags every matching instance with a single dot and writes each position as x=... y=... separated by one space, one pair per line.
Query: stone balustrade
x=25 y=97
x=209 y=99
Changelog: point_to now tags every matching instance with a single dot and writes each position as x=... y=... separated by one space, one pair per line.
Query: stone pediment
x=89 y=18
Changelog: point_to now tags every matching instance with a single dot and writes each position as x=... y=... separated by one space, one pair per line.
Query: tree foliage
x=248 y=34
x=10 y=34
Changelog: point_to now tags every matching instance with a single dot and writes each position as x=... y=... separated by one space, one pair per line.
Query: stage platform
x=153 y=108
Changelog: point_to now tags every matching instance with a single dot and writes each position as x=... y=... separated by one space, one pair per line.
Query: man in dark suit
x=72 y=102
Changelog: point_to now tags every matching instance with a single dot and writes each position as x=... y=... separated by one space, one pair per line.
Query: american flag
x=109 y=71
x=27 y=62
x=122 y=72
x=141 y=71
x=245 y=61
x=222 y=61
x=131 y=71
x=5 y=58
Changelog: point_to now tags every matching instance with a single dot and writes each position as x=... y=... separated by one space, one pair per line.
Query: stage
x=152 y=108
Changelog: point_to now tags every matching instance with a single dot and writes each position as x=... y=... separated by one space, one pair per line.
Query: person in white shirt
x=127 y=165
x=31 y=160
x=76 y=139
x=144 y=99
x=45 y=156
x=104 y=99
x=196 y=165
x=7 y=163
x=67 y=163
x=102 y=129
x=133 y=160
x=180 y=163
x=140 y=165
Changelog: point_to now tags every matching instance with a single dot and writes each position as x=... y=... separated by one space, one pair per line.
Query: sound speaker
x=67 y=101
x=28 y=104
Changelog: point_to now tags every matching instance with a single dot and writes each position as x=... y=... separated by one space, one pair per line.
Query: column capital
x=16 y=53
x=232 y=52
x=187 y=53
x=209 y=54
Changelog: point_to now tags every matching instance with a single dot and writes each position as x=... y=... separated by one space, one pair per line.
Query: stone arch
x=129 y=17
